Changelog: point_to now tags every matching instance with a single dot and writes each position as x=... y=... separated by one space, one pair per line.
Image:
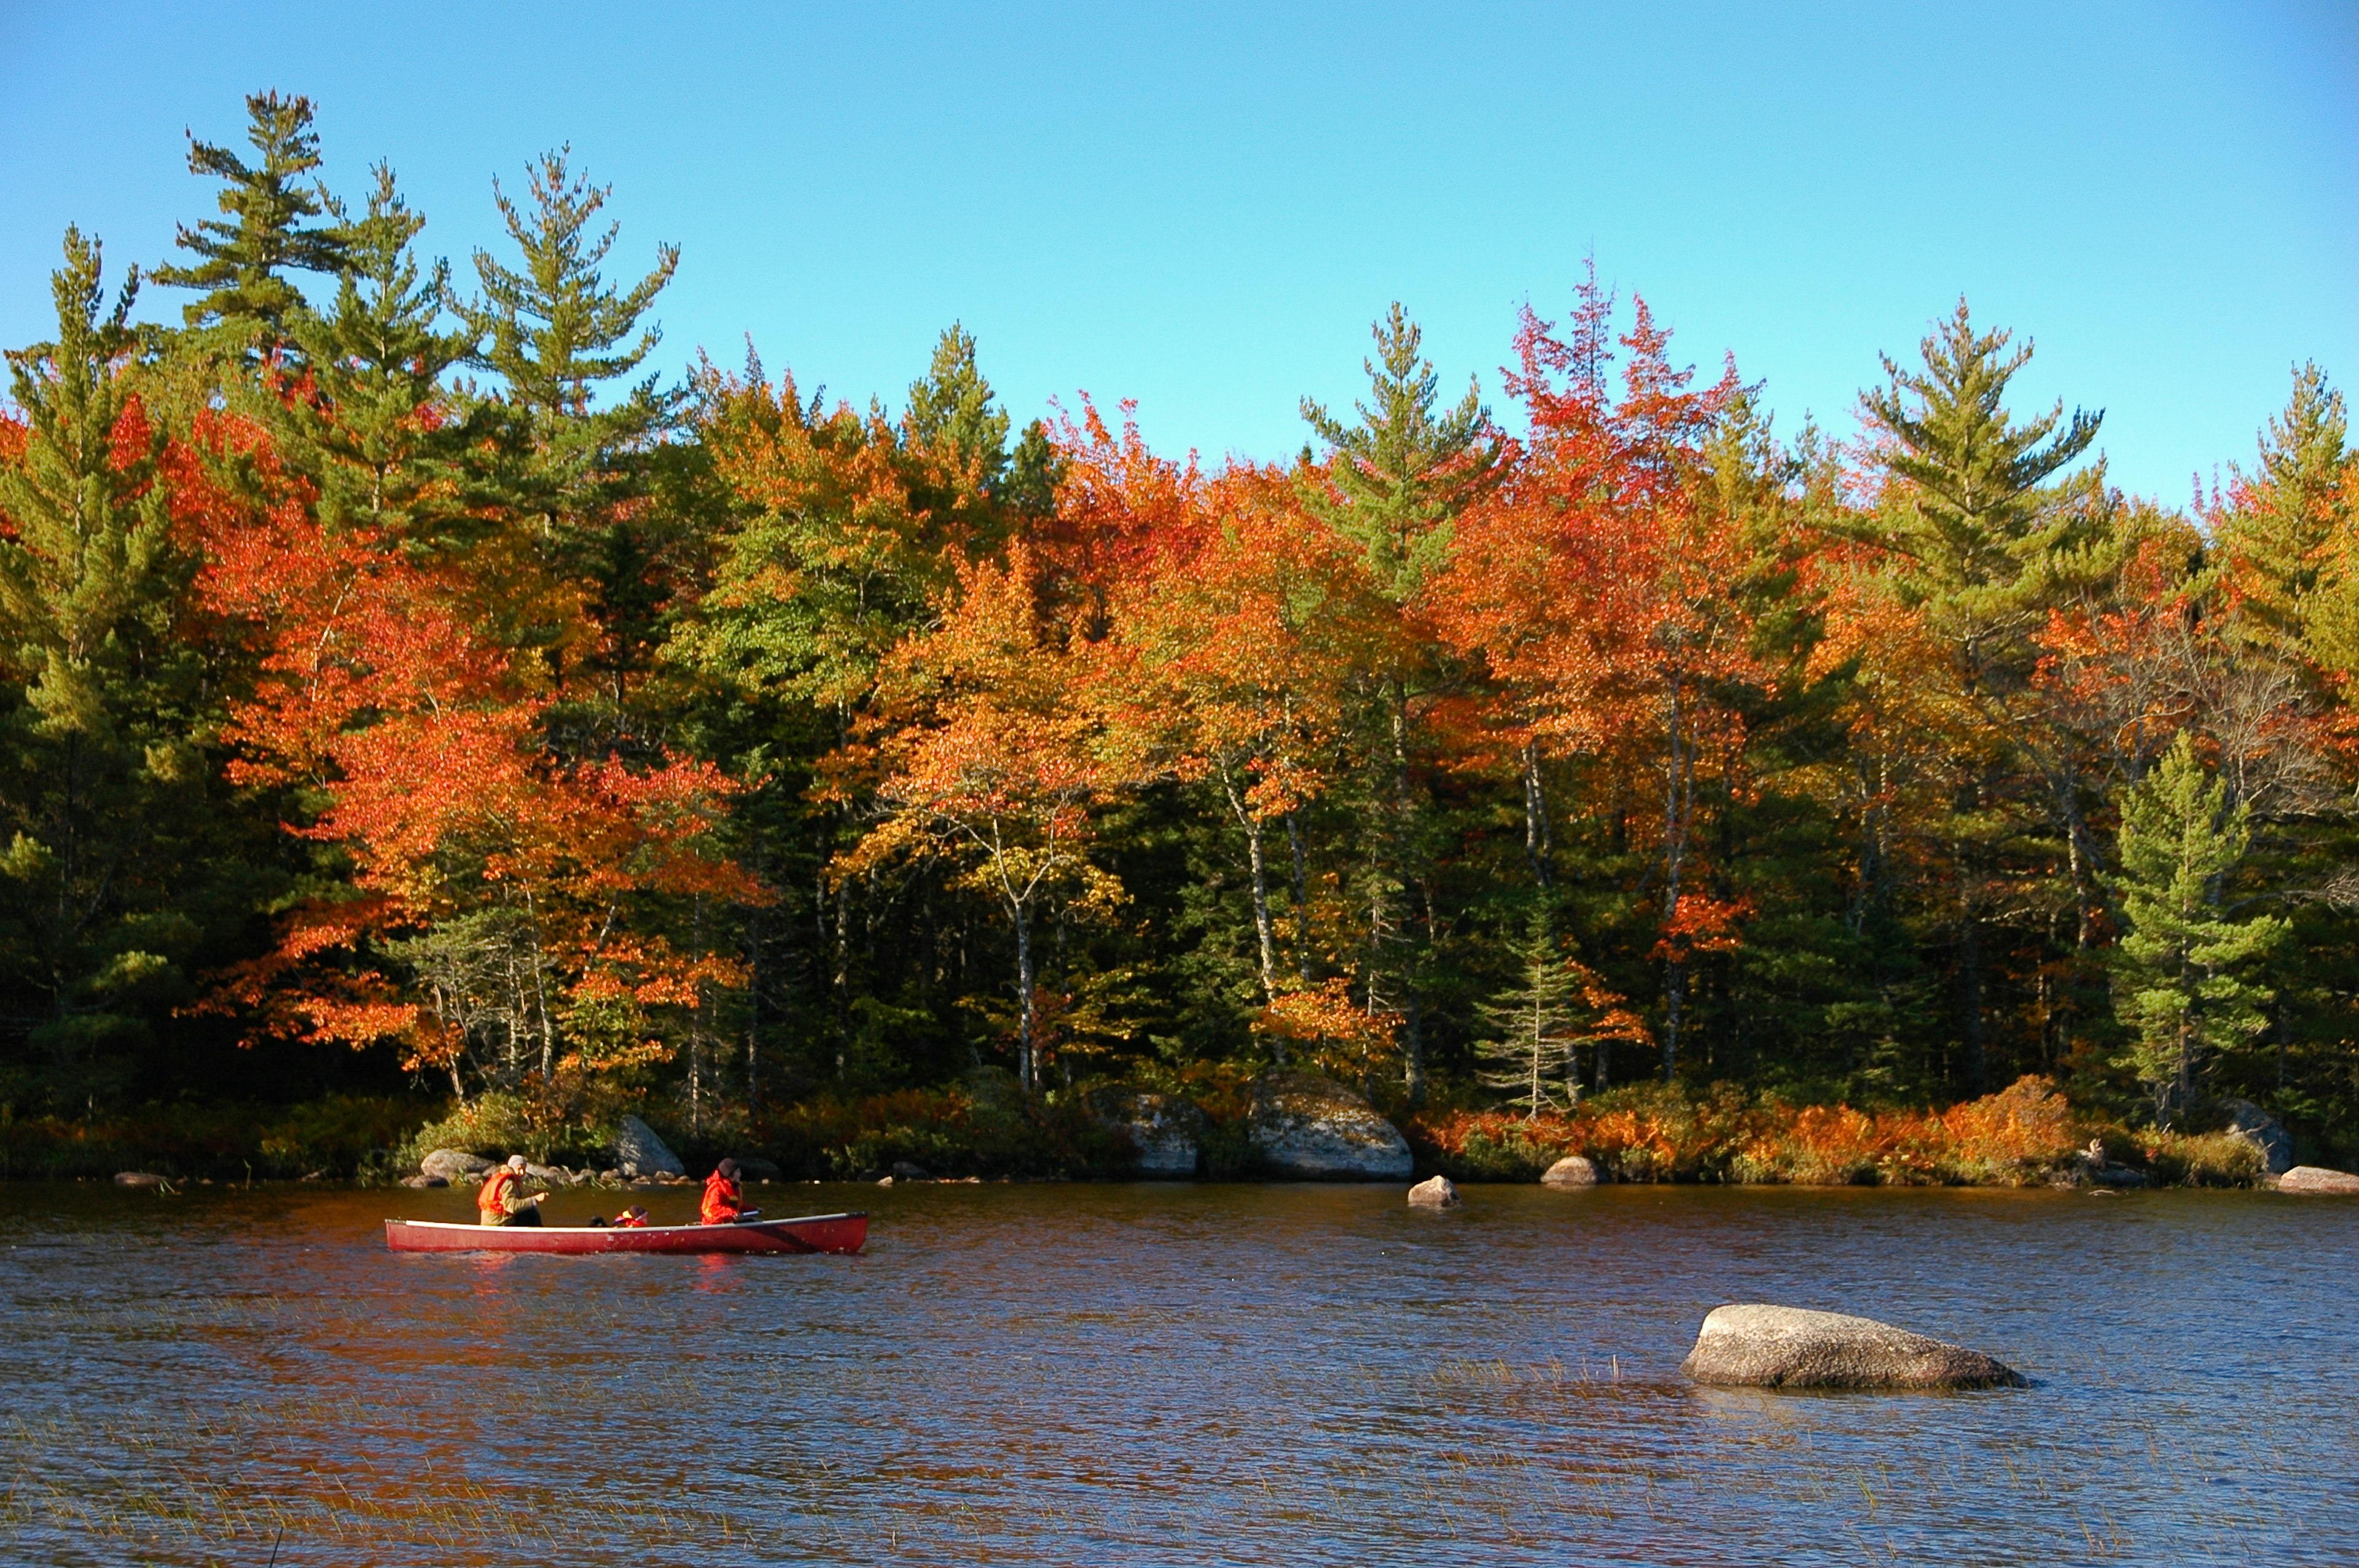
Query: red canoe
x=812 y=1233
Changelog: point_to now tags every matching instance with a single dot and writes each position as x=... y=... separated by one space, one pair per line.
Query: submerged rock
x=1572 y=1171
x=138 y=1179
x=1762 y=1347
x=452 y=1165
x=1434 y=1192
x=2300 y=1179
x=1164 y=1128
x=423 y=1181
x=640 y=1153
x=2263 y=1131
x=1308 y=1127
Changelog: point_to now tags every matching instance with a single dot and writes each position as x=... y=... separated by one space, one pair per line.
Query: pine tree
x=1992 y=531
x=1981 y=523
x=555 y=331
x=952 y=412
x=1403 y=473
x=2288 y=518
x=241 y=260
x=376 y=432
x=2183 y=963
x=1394 y=484
x=101 y=778
x=1532 y=1029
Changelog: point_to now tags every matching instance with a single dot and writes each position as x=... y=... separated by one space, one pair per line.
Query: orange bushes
x=2023 y=1134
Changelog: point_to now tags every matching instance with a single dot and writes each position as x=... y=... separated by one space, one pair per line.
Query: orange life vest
x=720 y=1203
x=491 y=1202
x=627 y=1220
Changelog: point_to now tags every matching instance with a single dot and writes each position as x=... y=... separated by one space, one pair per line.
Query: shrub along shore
x=2027 y=1135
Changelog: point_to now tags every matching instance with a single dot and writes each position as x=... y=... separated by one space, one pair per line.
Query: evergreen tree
x=1992 y=531
x=2183 y=962
x=1392 y=484
x=104 y=776
x=953 y=414
x=1532 y=1029
x=1404 y=471
x=2290 y=518
x=375 y=433
x=241 y=260
x=1981 y=523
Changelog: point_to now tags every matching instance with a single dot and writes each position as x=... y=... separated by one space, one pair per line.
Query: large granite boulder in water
x=1305 y=1125
x=1572 y=1171
x=2318 y=1179
x=640 y=1153
x=452 y=1165
x=1163 y=1128
x=1761 y=1346
x=1435 y=1192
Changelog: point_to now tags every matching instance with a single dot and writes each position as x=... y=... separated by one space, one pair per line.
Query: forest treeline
x=397 y=678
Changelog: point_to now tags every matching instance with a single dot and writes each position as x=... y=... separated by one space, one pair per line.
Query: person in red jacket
x=631 y=1218
x=723 y=1200
x=501 y=1200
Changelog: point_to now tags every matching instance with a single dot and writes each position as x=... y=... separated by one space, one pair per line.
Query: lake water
x=1174 y=1374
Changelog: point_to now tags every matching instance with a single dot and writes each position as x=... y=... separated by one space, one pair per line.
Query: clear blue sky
x=1203 y=206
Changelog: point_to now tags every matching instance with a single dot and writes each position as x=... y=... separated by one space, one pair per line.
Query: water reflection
x=1173 y=1374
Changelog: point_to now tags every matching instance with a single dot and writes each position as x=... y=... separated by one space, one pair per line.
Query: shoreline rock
x=1435 y=1192
x=1309 y=1127
x=2264 y=1133
x=1756 y=1345
x=452 y=1165
x=1164 y=1128
x=1571 y=1172
x=138 y=1179
x=2315 y=1180
x=640 y=1153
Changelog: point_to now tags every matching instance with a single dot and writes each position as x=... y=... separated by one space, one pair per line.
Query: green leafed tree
x=2184 y=963
x=275 y=222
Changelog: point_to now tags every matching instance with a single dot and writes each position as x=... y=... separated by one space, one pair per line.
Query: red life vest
x=720 y=1202
x=627 y=1220
x=491 y=1202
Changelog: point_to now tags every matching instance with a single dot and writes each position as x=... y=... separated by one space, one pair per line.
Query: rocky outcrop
x=1306 y=1127
x=2300 y=1179
x=639 y=1153
x=1164 y=1128
x=1572 y=1171
x=1434 y=1192
x=452 y=1165
x=1762 y=1347
x=2264 y=1133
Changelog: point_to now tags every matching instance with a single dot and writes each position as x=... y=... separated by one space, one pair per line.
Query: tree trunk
x=1538 y=846
x=1301 y=896
x=1023 y=995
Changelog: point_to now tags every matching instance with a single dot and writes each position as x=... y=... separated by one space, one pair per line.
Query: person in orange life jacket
x=501 y=1200
x=723 y=1200
x=631 y=1217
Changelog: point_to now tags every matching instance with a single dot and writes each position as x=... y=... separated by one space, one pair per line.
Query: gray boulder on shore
x=1164 y=1128
x=1572 y=1171
x=2314 y=1179
x=452 y=1165
x=1757 y=1346
x=2264 y=1133
x=1311 y=1127
x=639 y=1151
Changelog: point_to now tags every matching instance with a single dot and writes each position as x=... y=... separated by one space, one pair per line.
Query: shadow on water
x=1174 y=1374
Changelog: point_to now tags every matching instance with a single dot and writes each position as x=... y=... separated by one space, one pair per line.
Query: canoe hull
x=812 y=1233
